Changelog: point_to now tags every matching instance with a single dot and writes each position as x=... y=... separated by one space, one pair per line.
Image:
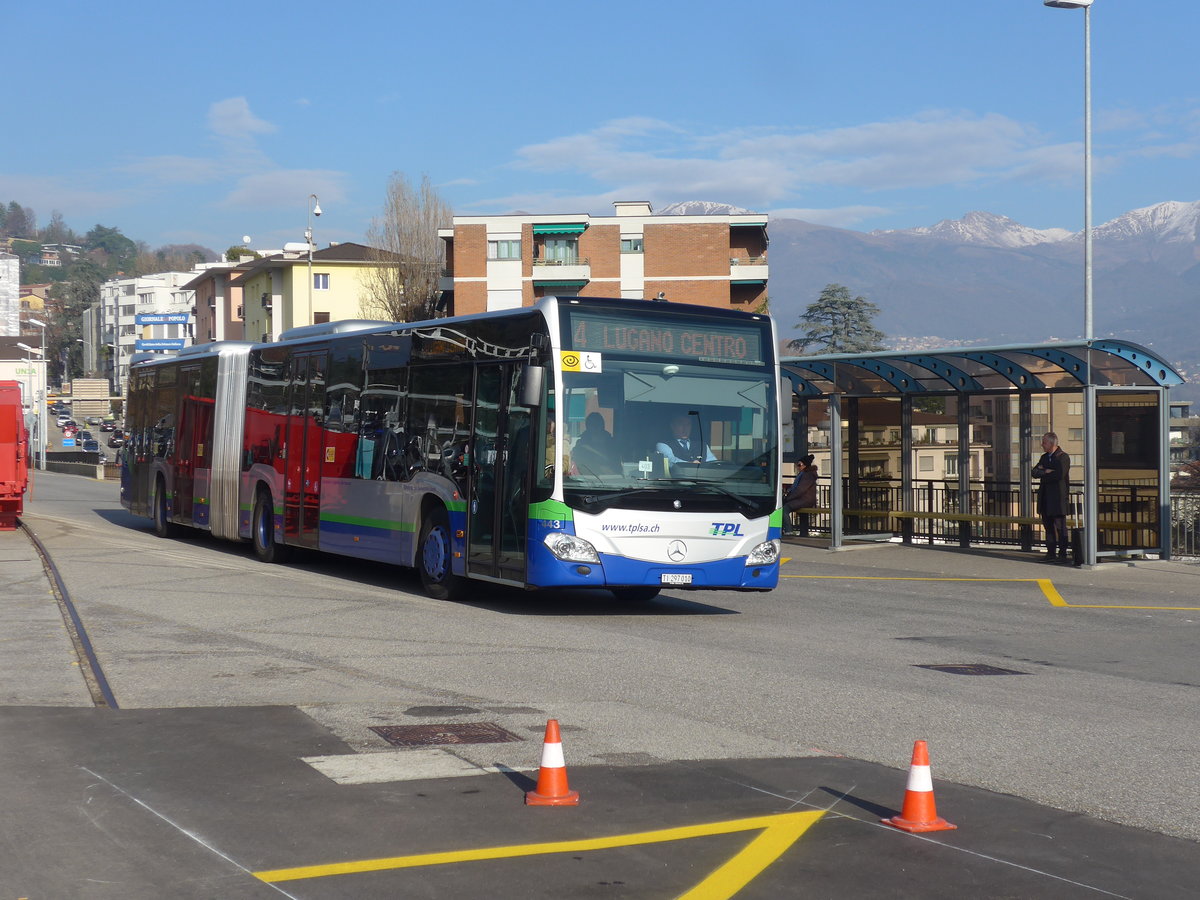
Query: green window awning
x=561 y=284
x=748 y=281
x=565 y=228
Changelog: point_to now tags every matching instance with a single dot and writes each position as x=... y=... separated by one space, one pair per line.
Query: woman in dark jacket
x=802 y=494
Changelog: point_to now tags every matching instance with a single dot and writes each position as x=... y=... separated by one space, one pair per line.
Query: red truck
x=14 y=454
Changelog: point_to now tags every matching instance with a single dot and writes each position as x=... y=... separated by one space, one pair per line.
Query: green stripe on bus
x=551 y=510
x=776 y=519
x=385 y=524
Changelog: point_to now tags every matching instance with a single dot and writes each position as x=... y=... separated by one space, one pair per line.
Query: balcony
x=571 y=268
x=748 y=269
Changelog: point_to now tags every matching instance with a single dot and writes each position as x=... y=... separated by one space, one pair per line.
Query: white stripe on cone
x=919 y=779
x=552 y=757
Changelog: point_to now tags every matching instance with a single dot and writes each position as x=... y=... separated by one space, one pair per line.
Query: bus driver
x=681 y=446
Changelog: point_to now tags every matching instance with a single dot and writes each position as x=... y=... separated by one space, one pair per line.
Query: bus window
x=440 y=400
x=381 y=445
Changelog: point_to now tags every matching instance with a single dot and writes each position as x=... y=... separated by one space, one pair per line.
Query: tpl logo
x=726 y=529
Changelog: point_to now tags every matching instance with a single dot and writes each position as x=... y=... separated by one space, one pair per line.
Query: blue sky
x=202 y=123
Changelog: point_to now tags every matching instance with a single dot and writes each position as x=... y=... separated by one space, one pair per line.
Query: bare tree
x=408 y=255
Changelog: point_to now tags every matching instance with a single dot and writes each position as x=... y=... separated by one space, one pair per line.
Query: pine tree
x=837 y=323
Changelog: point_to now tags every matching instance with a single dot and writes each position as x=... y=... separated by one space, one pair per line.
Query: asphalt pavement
x=265 y=801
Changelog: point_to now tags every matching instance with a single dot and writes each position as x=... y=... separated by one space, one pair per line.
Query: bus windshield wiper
x=720 y=489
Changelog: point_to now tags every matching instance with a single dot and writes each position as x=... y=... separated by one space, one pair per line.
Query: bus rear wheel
x=262 y=529
x=435 y=555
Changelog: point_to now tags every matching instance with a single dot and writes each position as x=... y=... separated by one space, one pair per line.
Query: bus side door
x=186 y=438
x=302 y=466
x=501 y=447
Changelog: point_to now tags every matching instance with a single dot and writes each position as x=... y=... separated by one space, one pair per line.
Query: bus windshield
x=644 y=432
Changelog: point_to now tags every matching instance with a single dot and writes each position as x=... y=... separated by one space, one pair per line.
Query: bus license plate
x=676 y=578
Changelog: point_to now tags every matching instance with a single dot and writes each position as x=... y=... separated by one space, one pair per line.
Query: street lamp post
x=1085 y=5
x=314 y=209
x=1091 y=500
x=41 y=443
x=113 y=347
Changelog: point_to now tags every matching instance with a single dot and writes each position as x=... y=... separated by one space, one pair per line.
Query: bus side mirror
x=532 y=385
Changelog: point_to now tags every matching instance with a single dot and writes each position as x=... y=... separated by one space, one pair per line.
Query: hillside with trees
x=104 y=247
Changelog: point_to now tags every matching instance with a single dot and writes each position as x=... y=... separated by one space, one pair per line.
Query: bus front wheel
x=434 y=560
x=263 y=531
x=163 y=526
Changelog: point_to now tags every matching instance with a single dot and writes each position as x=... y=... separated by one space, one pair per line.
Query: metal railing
x=747 y=260
x=568 y=261
x=1128 y=515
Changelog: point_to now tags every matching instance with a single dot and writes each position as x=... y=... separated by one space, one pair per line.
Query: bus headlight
x=570 y=548
x=764 y=554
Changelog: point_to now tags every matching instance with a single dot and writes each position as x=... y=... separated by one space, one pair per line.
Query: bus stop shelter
x=936 y=446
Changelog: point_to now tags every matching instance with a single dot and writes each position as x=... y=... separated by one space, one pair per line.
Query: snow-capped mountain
x=702 y=208
x=1170 y=222
x=986 y=229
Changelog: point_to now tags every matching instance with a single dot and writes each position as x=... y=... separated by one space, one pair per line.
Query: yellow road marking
x=1047 y=587
x=779 y=832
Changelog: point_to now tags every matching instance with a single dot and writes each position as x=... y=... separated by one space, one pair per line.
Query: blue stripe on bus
x=380 y=543
x=546 y=570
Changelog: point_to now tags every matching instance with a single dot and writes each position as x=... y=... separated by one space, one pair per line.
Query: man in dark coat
x=1053 y=471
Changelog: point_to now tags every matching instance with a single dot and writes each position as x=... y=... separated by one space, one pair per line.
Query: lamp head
x=1068 y=4
x=36 y=322
x=316 y=209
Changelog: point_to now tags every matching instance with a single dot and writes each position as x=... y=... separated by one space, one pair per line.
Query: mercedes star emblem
x=676 y=550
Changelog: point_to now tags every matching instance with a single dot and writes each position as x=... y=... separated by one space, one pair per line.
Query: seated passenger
x=681 y=446
x=596 y=453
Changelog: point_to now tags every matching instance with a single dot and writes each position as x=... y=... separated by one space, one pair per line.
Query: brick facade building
x=504 y=262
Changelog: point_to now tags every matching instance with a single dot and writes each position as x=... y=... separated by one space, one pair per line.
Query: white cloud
x=841 y=217
x=764 y=167
x=281 y=188
x=175 y=169
x=50 y=192
x=231 y=118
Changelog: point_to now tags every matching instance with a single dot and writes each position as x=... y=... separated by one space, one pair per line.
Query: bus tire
x=262 y=530
x=642 y=594
x=434 y=558
x=163 y=526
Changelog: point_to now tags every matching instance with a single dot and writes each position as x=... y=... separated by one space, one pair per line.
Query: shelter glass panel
x=872 y=443
x=1128 y=451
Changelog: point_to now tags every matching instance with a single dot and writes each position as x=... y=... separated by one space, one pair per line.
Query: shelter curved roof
x=972 y=369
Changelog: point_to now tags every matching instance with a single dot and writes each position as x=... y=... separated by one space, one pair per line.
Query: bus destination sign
x=715 y=341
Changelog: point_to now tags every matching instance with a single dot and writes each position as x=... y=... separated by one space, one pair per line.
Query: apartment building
x=147 y=313
x=504 y=262
x=284 y=291
x=219 y=310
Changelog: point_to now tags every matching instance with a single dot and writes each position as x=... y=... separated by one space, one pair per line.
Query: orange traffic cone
x=919 y=812
x=552 y=789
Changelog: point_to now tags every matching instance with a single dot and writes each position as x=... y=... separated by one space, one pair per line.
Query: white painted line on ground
x=399 y=765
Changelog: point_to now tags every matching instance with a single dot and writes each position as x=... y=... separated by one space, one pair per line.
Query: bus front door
x=302 y=473
x=499 y=507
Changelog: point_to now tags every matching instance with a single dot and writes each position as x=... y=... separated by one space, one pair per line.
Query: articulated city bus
x=530 y=447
